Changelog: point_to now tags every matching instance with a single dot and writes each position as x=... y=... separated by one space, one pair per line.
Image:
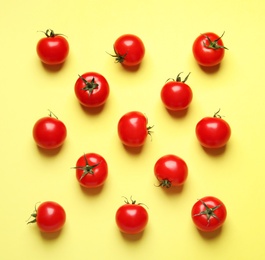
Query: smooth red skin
x=213 y=132
x=201 y=221
x=99 y=95
x=50 y=217
x=131 y=218
x=53 y=50
x=205 y=56
x=132 y=129
x=176 y=95
x=49 y=133
x=133 y=46
x=100 y=172
x=172 y=168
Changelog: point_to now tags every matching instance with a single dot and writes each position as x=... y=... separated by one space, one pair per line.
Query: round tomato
x=129 y=50
x=131 y=218
x=91 y=170
x=49 y=132
x=171 y=170
x=213 y=132
x=208 y=214
x=133 y=129
x=50 y=217
x=176 y=95
x=53 y=49
x=208 y=49
x=92 y=89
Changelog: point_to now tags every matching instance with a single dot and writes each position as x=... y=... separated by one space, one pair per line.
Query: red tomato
x=176 y=95
x=132 y=129
x=171 y=170
x=208 y=214
x=208 y=49
x=213 y=132
x=50 y=217
x=91 y=170
x=129 y=50
x=92 y=89
x=53 y=49
x=131 y=218
x=49 y=132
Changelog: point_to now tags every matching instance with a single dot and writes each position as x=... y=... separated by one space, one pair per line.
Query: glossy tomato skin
x=92 y=89
x=132 y=129
x=50 y=217
x=204 y=55
x=49 y=132
x=129 y=50
x=52 y=49
x=213 y=132
x=208 y=214
x=171 y=171
x=131 y=218
x=91 y=170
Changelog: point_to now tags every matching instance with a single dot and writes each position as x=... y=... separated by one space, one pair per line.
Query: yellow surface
x=168 y=28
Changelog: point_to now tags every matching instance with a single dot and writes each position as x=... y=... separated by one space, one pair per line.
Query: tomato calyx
x=50 y=33
x=133 y=202
x=51 y=114
x=178 y=79
x=119 y=58
x=209 y=212
x=213 y=44
x=33 y=215
x=164 y=183
x=87 y=169
x=89 y=86
x=216 y=114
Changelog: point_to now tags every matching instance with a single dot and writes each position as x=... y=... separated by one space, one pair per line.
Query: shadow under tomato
x=51 y=236
x=172 y=190
x=52 y=68
x=212 y=69
x=91 y=191
x=49 y=152
x=178 y=114
x=210 y=235
x=132 y=237
x=92 y=111
x=214 y=151
x=131 y=68
x=133 y=150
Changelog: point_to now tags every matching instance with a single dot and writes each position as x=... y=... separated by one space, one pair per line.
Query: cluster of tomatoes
x=92 y=90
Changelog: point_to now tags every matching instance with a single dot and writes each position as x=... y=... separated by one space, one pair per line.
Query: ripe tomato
x=176 y=95
x=213 y=132
x=131 y=218
x=49 y=132
x=208 y=214
x=91 y=170
x=129 y=50
x=92 y=89
x=133 y=129
x=53 y=49
x=171 y=170
x=50 y=217
x=208 y=49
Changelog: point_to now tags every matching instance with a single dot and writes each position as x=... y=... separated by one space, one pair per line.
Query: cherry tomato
x=49 y=132
x=53 y=49
x=208 y=214
x=176 y=95
x=171 y=170
x=133 y=129
x=91 y=170
x=50 y=217
x=129 y=50
x=92 y=89
x=213 y=132
x=208 y=49
x=131 y=218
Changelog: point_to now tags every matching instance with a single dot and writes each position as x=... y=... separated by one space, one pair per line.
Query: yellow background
x=168 y=28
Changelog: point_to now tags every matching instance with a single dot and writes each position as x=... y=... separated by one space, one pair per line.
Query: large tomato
x=208 y=49
x=208 y=214
x=53 y=49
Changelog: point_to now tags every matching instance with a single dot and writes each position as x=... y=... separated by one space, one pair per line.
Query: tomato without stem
x=91 y=170
x=53 y=49
x=133 y=129
x=171 y=171
x=208 y=49
x=213 y=132
x=49 y=132
x=131 y=218
x=176 y=94
x=208 y=214
x=50 y=217
x=92 y=89
x=129 y=50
